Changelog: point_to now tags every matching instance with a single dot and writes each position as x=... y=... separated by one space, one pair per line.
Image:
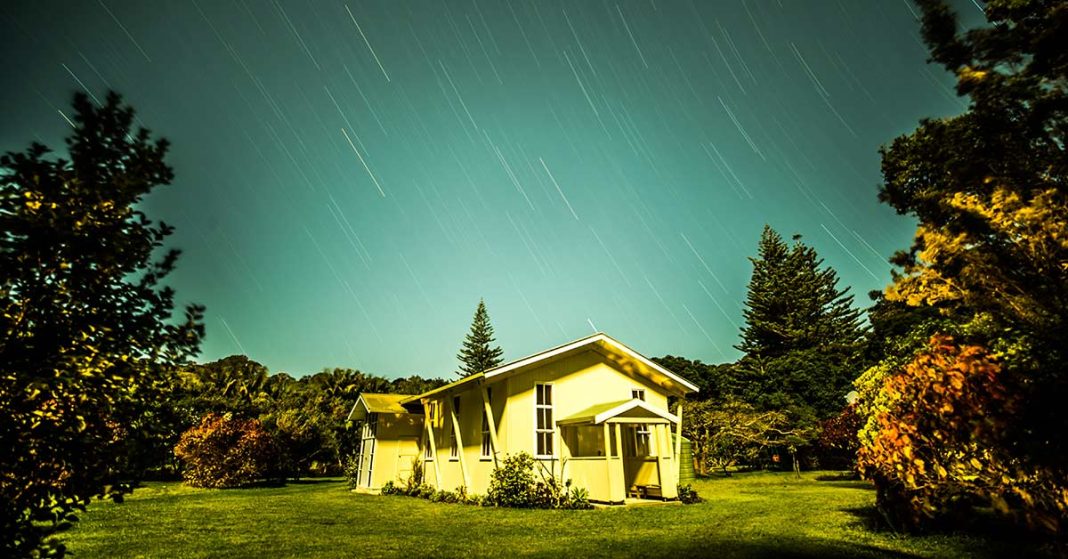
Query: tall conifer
x=802 y=334
x=478 y=354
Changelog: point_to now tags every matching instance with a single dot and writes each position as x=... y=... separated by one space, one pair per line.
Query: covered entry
x=389 y=436
x=621 y=450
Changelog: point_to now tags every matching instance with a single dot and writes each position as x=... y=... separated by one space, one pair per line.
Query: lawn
x=746 y=515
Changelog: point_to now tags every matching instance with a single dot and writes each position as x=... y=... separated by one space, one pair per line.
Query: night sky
x=352 y=177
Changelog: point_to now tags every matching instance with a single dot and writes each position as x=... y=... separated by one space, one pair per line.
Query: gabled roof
x=380 y=403
x=626 y=358
x=600 y=413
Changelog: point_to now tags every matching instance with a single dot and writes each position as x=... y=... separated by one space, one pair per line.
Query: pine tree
x=477 y=354
x=767 y=304
x=802 y=334
x=794 y=303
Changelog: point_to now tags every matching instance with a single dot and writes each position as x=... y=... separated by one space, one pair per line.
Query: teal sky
x=352 y=177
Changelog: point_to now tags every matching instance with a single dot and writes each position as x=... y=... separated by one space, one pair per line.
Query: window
x=487 y=442
x=454 y=448
x=543 y=415
x=638 y=394
x=642 y=434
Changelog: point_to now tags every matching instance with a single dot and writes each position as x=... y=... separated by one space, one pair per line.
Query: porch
x=621 y=452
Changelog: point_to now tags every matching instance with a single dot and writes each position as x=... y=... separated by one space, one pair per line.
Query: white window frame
x=454 y=449
x=637 y=393
x=551 y=430
x=487 y=441
x=643 y=436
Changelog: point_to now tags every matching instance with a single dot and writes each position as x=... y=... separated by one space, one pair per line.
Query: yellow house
x=593 y=411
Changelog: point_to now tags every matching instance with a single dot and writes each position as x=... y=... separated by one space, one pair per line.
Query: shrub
x=391 y=489
x=688 y=495
x=578 y=498
x=224 y=451
x=351 y=470
x=838 y=441
x=512 y=482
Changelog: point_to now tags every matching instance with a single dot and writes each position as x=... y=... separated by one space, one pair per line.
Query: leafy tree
x=414 y=384
x=231 y=384
x=717 y=382
x=226 y=451
x=478 y=354
x=988 y=190
x=727 y=434
x=85 y=324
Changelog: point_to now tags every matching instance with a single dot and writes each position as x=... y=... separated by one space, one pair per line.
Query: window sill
x=485 y=459
x=451 y=459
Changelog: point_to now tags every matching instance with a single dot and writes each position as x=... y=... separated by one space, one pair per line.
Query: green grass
x=747 y=515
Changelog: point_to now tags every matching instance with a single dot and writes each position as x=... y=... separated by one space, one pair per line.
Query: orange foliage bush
x=938 y=441
x=223 y=451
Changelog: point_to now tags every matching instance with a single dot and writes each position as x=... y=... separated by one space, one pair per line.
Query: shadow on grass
x=1002 y=537
x=794 y=548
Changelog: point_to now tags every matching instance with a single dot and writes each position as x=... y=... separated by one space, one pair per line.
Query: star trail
x=351 y=177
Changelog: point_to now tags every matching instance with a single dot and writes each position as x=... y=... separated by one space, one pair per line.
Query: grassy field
x=747 y=515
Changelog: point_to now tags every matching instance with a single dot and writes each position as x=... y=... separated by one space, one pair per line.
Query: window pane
x=548 y=394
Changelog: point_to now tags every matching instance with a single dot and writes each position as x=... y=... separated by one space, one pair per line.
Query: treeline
x=303 y=418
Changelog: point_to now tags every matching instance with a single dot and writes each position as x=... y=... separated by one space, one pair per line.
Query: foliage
x=717 y=382
x=725 y=435
x=688 y=495
x=225 y=451
x=838 y=440
x=802 y=335
x=478 y=354
x=793 y=303
x=86 y=330
x=513 y=484
x=307 y=416
x=990 y=255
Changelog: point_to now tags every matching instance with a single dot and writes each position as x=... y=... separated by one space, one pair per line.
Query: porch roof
x=378 y=403
x=637 y=411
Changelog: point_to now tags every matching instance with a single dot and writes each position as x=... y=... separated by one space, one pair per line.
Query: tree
x=802 y=334
x=85 y=324
x=988 y=188
x=717 y=382
x=726 y=434
x=794 y=303
x=478 y=354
